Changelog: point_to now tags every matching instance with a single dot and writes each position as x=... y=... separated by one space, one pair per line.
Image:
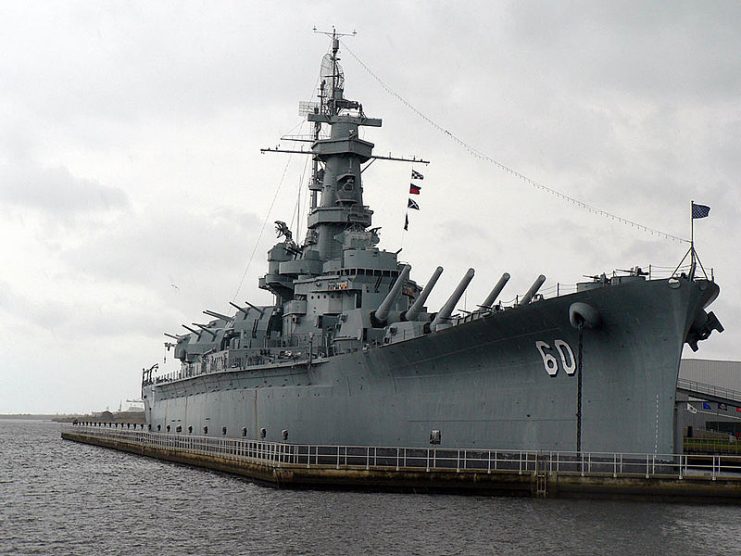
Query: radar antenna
x=331 y=68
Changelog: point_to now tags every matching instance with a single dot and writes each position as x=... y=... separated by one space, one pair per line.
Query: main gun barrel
x=492 y=297
x=447 y=309
x=382 y=313
x=414 y=310
x=528 y=297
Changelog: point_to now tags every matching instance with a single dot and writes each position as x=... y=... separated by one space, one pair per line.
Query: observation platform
x=665 y=477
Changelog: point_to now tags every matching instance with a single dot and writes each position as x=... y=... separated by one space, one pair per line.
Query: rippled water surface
x=58 y=497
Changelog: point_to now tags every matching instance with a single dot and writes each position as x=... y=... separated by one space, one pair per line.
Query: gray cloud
x=54 y=190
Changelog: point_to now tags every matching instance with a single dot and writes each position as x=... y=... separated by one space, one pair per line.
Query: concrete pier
x=680 y=478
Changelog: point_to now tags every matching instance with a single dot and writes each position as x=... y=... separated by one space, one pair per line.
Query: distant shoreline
x=125 y=416
x=35 y=416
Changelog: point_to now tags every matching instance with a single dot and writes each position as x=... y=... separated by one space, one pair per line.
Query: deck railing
x=432 y=459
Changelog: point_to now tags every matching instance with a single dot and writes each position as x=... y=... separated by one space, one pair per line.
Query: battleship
x=349 y=354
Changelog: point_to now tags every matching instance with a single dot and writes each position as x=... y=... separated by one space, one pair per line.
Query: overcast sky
x=133 y=191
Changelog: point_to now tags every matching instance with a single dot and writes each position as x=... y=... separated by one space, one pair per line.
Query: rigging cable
x=262 y=229
x=300 y=126
x=483 y=156
x=296 y=216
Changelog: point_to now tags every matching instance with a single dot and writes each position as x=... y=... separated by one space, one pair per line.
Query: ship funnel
x=444 y=315
x=528 y=297
x=414 y=310
x=382 y=313
x=492 y=297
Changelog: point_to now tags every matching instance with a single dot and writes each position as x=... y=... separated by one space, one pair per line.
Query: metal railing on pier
x=432 y=459
x=709 y=391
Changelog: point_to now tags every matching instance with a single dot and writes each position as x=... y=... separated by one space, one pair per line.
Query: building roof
x=725 y=374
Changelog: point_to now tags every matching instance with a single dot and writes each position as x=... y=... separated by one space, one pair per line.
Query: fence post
x=680 y=467
x=614 y=466
x=647 y=466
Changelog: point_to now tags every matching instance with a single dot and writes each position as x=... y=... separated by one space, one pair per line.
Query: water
x=58 y=497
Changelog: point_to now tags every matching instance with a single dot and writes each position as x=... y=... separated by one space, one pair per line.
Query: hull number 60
x=565 y=358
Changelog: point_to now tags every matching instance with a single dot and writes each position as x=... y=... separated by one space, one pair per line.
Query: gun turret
x=238 y=308
x=206 y=329
x=444 y=315
x=256 y=308
x=380 y=315
x=216 y=315
x=527 y=298
x=414 y=310
x=492 y=297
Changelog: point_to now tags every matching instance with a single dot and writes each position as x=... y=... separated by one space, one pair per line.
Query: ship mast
x=337 y=161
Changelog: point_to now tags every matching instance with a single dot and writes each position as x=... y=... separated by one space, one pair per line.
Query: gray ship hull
x=482 y=383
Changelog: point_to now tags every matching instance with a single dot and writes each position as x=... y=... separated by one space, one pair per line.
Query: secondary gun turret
x=217 y=315
x=206 y=329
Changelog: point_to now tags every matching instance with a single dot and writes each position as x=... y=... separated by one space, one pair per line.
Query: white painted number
x=564 y=348
x=551 y=364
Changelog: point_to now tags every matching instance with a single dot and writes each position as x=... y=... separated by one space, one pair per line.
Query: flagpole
x=692 y=240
